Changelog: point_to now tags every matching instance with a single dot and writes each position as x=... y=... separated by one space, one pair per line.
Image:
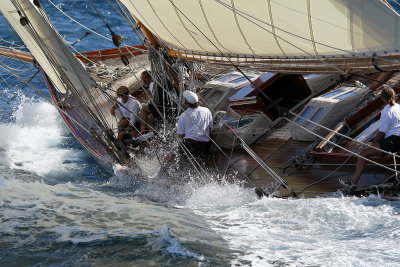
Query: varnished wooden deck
x=276 y=148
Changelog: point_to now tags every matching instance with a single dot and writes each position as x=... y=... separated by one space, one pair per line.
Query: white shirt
x=195 y=123
x=151 y=87
x=130 y=109
x=390 y=120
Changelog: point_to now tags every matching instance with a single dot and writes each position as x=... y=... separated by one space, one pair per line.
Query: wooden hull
x=275 y=149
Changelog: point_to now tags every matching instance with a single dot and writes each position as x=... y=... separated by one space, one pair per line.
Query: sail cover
x=272 y=28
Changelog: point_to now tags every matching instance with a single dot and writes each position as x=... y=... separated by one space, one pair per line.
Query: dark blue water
x=61 y=207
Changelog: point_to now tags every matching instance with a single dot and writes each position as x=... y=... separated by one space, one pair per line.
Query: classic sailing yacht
x=229 y=52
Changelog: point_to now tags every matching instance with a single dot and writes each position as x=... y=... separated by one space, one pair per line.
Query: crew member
x=194 y=126
x=148 y=112
x=129 y=109
x=387 y=138
x=160 y=102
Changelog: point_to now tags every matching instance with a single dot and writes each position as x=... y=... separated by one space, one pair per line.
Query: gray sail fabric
x=284 y=28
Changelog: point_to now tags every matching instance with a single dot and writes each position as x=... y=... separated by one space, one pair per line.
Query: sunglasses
x=119 y=94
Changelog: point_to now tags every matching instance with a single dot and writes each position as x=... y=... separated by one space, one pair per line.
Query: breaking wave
x=35 y=140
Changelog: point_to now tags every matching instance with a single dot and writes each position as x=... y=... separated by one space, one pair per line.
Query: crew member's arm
x=383 y=128
x=134 y=115
x=377 y=138
x=181 y=127
x=124 y=131
x=113 y=108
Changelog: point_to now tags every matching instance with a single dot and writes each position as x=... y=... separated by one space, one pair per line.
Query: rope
x=395 y=165
x=106 y=38
x=326 y=177
x=259 y=161
x=90 y=96
x=99 y=121
x=72 y=19
x=17 y=93
x=345 y=149
x=44 y=97
x=230 y=156
x=117 y=40
x=247 y=16
x=230 y=61
x=179 y=105
x=342 y=135
x=15 y=33
x=107 y=25
x=272 y=153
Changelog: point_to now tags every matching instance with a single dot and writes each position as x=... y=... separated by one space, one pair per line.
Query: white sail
x=272 y=28
x=47 y=47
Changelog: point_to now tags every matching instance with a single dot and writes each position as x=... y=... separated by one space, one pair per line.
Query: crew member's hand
x=121 y=135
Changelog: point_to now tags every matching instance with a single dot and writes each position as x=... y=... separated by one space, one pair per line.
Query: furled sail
x=46 y=46
x=333 y=35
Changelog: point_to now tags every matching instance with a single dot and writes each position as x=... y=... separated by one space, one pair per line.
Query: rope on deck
x=345 y=149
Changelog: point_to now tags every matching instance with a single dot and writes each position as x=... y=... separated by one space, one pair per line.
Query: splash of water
x=33 y=141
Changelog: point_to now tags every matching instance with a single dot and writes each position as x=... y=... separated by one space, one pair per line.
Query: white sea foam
x=2 y=183
x=32 y=142
x=219 y=194
x=79 y=215
x=173 y=246
x=296 y=232
x=304 y=232
x=268 y=232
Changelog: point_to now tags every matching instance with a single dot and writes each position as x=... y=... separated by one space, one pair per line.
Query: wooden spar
x=386 y=62
x=11 y=53
x=149 y=36
x=154 y=43
x=388 y=4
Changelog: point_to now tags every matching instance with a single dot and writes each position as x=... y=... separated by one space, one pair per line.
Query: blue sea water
x=61 y=207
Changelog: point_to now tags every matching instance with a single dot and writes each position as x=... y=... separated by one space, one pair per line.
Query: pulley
x=24 y=21
x=117 y=40
x=36 y=3
x=124 y=59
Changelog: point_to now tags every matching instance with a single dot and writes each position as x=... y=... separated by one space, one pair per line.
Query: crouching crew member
x=194 y=126
x=129 y=109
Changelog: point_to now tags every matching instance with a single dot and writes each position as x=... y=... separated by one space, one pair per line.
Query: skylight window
x=318 y=116
x=306 y=114
x=228 y=77
x=346 y=95
x=332 y=94
x=241 y=79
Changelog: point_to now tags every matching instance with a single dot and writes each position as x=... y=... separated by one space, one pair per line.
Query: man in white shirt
x=194 y=126
x=387 y=138
x=129 y=109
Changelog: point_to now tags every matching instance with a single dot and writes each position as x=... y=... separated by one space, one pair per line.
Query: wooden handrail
x=83 y=56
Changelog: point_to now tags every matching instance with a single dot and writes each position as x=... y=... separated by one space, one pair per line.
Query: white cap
x=190 y=97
